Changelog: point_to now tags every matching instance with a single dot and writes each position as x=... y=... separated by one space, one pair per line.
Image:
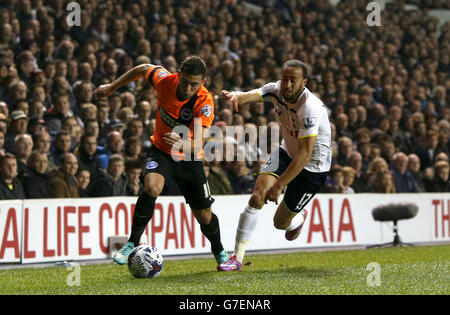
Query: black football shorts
x=301 y=189
x=188 y=175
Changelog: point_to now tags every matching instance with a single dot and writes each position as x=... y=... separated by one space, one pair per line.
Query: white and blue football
x=145 y=262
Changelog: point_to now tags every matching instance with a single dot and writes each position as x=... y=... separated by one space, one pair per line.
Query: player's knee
x=153 y=190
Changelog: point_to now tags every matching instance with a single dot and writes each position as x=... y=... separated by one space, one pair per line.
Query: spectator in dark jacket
x=18 y=126
x=428 y=152
x=35 y=179
x=10 y=186
x=403 y=180
x=23 y=146
x=87 y=156
x=83 y=180
x=414 y=169
x=61 y=145
x=441 y=182
x=55 y=115
x=113 y=181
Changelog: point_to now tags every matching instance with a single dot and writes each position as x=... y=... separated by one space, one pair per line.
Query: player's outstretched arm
x=131 y=75
x=239 y=98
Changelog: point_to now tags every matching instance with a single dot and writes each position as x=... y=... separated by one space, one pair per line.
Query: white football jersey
x=305 y=118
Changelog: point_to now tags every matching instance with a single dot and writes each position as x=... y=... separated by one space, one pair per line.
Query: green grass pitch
x=406 y=270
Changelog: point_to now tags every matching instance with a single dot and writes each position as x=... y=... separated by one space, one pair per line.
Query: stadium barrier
x=50 y=230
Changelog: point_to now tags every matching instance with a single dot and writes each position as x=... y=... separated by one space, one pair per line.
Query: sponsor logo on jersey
x=186 y=113
x=151 y=165
x=162 y=74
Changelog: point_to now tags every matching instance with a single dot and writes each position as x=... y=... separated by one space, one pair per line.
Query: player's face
x=189 y=85
x=292 y=83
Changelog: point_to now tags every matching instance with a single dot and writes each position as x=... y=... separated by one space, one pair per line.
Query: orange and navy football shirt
x=165 y=84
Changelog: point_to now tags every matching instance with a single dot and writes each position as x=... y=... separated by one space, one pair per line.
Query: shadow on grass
x=249 y=274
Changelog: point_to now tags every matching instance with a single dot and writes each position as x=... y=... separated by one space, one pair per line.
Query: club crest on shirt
x=309 y=122
x=207 y=110
x=162 y=74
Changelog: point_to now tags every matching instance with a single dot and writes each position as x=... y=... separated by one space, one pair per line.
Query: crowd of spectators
x=386 y=88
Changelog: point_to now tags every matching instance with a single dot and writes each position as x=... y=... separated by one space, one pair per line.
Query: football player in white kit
x=300 y=164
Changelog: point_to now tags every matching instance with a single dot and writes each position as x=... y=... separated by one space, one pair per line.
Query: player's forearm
x=130 y=76
x=247 y=97
x=295 y=167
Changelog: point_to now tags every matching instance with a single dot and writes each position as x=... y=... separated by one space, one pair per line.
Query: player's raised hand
x=232 y=97
x=104 y=90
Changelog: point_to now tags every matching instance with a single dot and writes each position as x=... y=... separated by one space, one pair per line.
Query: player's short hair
x=193 y=65
x=296 y=64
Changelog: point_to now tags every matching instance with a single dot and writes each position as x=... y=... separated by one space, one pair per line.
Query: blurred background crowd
x=386 y=87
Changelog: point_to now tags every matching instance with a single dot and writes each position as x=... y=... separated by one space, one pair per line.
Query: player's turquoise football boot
x=221 y=257
x=121 y=256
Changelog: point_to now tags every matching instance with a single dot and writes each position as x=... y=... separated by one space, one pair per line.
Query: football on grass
x=145 y=262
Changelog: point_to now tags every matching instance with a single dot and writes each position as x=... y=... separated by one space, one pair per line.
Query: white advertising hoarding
x=78 y=229
x=10 y=230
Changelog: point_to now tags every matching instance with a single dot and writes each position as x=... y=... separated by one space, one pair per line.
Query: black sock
x=143 y=213
x=212 y=233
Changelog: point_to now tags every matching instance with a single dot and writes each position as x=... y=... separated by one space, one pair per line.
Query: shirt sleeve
x=204 y=110
x=310 y=120
x=269 y=89
x=155 y=74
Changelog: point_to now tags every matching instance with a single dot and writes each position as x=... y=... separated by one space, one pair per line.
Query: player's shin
x=143 y=213
x=246 y=226
x=212 y=233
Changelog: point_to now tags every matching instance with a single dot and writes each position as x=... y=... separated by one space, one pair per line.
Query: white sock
x=295 y=222
x=246 y=226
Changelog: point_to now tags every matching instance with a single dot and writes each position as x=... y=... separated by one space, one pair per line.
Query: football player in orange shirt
x=182 y=101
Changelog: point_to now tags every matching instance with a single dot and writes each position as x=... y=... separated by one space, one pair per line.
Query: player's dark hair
x=297 y=64
x=193 y=65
